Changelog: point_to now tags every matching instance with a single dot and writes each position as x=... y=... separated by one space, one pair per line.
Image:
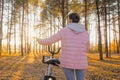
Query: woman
x=74 y=46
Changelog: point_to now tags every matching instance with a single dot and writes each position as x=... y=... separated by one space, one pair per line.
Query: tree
x=14 y=22
x=59 y=8
x=8 y=24
x=105 y=30
x=114 y=31
x=22 y=27
x=109 y=29
x=28 y=42
x=10 y=27
x=62 y=7
x=99 y=32
x=1 y=24
x=118 y=5
x=86 y=14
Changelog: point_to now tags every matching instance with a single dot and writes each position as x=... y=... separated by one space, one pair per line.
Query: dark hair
x=74 y=17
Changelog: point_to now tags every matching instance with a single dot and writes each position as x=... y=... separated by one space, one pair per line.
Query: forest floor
x=29 y=67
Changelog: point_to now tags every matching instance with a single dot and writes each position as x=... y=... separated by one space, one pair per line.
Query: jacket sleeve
x=56 y=37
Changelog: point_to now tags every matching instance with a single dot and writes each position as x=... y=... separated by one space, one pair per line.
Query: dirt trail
x=29 y=67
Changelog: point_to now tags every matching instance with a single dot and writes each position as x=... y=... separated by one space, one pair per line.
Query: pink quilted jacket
x=74 y=46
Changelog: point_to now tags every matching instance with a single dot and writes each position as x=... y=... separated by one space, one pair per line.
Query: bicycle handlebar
x=53 y=52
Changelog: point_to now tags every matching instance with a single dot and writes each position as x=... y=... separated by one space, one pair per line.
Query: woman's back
x=74 y=48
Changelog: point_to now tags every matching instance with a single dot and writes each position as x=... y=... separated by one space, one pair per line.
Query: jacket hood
x=77 y=28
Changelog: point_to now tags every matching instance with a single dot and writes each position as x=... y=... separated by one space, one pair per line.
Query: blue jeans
x=72 y=74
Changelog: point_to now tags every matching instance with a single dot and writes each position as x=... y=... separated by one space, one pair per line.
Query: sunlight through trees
x=23 y=20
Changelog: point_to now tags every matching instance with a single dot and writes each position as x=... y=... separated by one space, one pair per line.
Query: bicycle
x=51 y=61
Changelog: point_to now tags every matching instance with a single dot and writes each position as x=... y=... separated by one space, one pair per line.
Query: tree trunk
x=51 y=24
x=54 y=31
x=11 y=23
x=28 y=32
x=22 y=28
x=86 y=27
x=99 y=32
x=14 y=30
x=34 y=47
x=1 y=22
x=114 y=34
x=25 y=35
x=105 y=30
x=63 y=13
x=109 y=30
x=14 y=38
x=40 y=37
x=118 y=4
x=8 y=29
x=63 y=8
